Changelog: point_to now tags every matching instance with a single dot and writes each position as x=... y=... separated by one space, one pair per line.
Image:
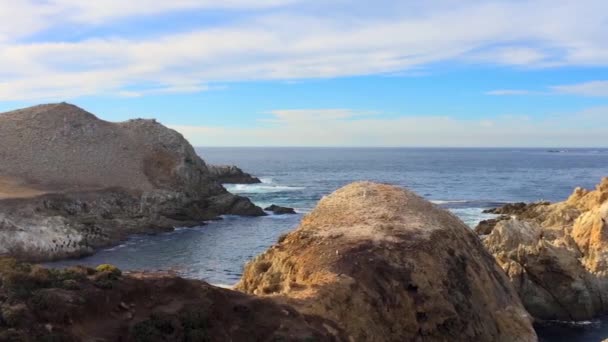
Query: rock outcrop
x=556 y=255
x=230 y=174
x=84 y=304
x=278 y=210
x=387 y=265
x=70 y=182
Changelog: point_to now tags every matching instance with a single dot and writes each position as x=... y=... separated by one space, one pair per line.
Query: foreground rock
x=278 y=210
x=386 y=265
x=83 y=304
x=70 y=183
x=229 y=174
x=556 y=255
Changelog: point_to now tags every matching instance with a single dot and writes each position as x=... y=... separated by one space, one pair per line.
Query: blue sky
x=320 y=73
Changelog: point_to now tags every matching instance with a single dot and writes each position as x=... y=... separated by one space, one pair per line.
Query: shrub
x=111 y=269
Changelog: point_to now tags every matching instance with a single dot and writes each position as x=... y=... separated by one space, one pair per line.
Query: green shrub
x=111 y=269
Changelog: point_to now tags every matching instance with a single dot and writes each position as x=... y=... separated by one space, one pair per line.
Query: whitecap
x=260 y=188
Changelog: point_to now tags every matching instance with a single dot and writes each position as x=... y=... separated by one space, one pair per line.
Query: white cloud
x=294 y=40
x=503 y=92
x=593 y=88
x=341 y=127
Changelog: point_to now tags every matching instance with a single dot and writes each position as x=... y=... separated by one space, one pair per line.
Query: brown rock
x=556 y=255
x=386 y=265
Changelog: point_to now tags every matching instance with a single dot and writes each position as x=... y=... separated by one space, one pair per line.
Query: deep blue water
x=465 y=181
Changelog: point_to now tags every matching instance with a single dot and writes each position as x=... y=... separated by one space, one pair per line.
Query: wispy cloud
x=594 y=88
x=342 y=127
x=282 y=40
x=507 y=92
x=591 y=89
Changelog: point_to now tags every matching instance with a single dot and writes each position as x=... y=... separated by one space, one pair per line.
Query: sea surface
x=464 y=181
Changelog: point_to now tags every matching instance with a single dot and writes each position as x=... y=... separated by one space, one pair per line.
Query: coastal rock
x=230 y=174
x=278 y=210
x=84 y=304
x=556 y=255
x=485 y=227
x=387 y=265
x=70 y=182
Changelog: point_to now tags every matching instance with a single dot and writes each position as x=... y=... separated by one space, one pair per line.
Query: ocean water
x=464 y=181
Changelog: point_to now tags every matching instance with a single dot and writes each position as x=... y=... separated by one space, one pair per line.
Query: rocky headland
x=71 y=183
x=556 y=255
x=387 y=265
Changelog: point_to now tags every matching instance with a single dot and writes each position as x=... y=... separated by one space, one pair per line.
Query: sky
x=435 y=73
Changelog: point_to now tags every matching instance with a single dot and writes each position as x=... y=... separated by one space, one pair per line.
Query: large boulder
x=387 y=265
x=556 y=255
x=70 y=182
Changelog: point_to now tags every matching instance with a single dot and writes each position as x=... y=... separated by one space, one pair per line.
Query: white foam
x=449 y=202
x=260 y=188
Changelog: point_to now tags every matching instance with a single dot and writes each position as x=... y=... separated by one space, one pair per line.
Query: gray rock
x=278 y=210
x=230 y=174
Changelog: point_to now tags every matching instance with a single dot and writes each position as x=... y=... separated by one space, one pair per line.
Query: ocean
x=464 y=181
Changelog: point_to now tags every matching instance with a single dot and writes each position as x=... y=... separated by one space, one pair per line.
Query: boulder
x=278 y=210
x=71 y=183
x=386 y=265
x=230 y=174
x=556 y=255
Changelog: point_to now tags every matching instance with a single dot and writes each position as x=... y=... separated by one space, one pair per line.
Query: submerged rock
x=70 y=182
x=103 y=304
x=556 y=255
x=387 y=265
x=278 y=210
x=230 y=174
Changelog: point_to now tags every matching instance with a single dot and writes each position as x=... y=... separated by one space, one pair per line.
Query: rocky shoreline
x=556 y=255
x=372 y=262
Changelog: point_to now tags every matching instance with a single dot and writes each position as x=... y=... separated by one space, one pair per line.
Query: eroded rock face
x=70 y=182
x=556 y=255
x=83 y=304
x=387 y=265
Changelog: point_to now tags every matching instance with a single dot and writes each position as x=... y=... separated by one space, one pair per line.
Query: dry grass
x=13 y=188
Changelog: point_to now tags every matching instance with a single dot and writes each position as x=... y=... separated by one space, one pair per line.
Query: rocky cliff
x=556 y=254
x=70 y=182
x=386 y=265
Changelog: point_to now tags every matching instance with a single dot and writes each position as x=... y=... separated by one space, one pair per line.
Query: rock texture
x=230 y=174
x=556 y=255
x=70 y=182
x=386 y=265
x=83 y=304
